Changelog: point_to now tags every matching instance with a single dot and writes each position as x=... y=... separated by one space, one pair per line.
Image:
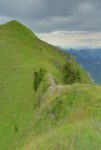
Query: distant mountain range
x=90 y=60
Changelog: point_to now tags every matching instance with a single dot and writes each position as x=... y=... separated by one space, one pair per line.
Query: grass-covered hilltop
x=47 y=102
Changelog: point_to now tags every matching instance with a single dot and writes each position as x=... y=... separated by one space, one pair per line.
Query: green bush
x=38 y=77
x=15 y=128
x=71 y=73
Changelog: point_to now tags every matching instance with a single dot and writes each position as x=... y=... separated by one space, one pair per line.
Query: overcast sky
x=66 y=23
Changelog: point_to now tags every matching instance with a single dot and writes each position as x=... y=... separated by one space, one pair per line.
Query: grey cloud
x=91 y=40
x=51 y=15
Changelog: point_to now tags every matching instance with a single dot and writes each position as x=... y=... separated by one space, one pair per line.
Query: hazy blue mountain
x=90 y=59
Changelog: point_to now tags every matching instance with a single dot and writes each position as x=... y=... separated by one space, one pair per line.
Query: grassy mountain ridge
x=69 y=118
x=22 y=53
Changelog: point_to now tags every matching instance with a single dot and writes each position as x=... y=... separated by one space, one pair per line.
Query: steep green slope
x=22 y=53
